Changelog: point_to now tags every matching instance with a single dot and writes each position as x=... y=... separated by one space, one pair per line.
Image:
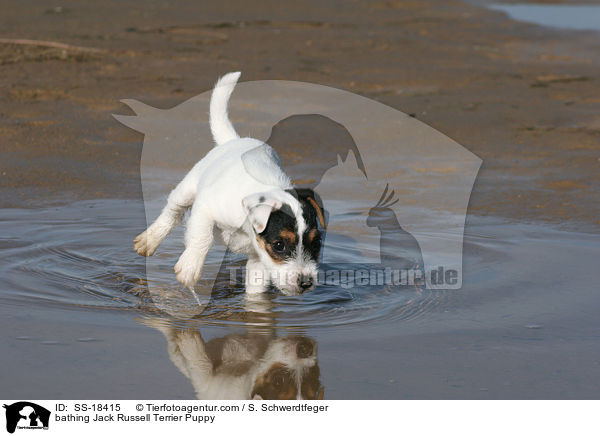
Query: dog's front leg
x=180 y=199
x=257 y=278
x=198 y=240
x=195 y=362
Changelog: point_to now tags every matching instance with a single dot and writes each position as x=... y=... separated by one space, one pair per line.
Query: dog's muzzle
x=305 y=282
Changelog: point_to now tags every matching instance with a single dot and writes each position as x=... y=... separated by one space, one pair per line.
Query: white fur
x=242 y=362
x=222 y=190
x=220 y=126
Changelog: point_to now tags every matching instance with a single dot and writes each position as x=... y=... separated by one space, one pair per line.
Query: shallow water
x=575 y=17
x=79 y=322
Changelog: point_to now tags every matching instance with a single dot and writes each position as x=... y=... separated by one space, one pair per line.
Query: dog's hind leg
x=180 y=199
x=198 y=240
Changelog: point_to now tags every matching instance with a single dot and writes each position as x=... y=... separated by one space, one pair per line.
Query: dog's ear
x=311 y=198
x=258 y=207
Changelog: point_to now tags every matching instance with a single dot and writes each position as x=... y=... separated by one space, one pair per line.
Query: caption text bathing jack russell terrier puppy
x=240 y=188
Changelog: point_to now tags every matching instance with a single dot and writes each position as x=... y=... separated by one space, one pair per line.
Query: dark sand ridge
x=523 y=98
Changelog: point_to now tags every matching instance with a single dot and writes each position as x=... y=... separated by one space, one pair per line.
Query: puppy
x=244 y=367
x=240 y=189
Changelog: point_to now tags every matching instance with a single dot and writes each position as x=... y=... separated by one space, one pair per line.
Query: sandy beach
x=522 y=97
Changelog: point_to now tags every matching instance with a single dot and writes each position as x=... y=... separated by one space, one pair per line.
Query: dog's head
x=287 y=237
x=288 y=371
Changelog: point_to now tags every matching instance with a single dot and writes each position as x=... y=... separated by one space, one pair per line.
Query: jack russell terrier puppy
x=244 y=367
x=240 y=188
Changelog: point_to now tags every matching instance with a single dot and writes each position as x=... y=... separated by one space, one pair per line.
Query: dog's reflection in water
x=251 y=366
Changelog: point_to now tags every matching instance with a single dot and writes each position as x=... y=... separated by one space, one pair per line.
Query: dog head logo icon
x=24 y=414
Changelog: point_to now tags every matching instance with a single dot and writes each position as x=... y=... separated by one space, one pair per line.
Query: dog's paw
x=140 y=244
x=191 y=345
x=145 y=244
x=188 y=269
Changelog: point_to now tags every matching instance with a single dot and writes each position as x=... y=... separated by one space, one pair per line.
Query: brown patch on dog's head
x=318 y=210
x=280 y=237
x=311 y=235
x=313 y=214
x=277 y=383
x=289 y=236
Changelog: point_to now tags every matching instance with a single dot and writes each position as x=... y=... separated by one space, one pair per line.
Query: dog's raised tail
x=220 y=126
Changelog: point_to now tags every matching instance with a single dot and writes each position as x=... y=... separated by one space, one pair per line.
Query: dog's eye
x=316 y=242
x=279 y=246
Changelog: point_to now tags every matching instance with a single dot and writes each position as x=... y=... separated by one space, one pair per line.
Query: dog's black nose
x=304 y=348
x=305 y=281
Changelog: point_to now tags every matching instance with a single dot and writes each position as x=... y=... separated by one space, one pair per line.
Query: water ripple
x=80 y=255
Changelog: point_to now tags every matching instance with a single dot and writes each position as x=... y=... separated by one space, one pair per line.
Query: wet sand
x=523 y=98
